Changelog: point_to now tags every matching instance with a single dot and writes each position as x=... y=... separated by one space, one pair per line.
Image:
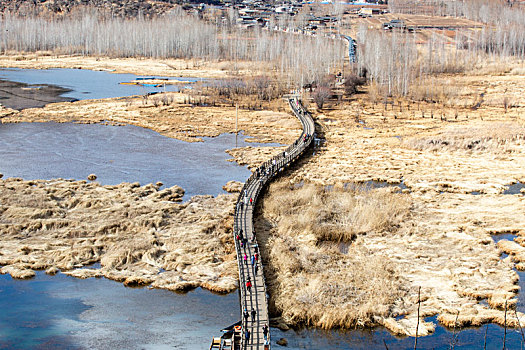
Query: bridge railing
x=275 y=165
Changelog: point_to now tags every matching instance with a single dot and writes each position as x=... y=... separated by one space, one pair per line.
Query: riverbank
x=140 y=66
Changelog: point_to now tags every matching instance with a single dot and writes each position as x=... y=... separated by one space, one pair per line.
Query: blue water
x=62 y=312
x=514 y=188
x=118 y=154
x=469 y=338
x=86 y=84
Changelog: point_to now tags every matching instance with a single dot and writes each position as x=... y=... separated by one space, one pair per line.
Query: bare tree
x=321 y=95
x=352 y=82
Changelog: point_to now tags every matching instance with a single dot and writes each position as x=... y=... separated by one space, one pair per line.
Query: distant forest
x=176 y=34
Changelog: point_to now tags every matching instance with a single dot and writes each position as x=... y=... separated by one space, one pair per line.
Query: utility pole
x=236 y=122
x=236 y=117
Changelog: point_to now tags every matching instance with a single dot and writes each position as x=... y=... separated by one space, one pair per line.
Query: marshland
x=433 y=114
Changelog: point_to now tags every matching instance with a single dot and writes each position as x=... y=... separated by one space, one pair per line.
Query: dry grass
x=338 y=213
x=496 y=137
x=315 y=278
x=139 y=234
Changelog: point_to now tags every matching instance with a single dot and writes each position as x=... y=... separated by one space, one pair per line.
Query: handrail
x=243 y=220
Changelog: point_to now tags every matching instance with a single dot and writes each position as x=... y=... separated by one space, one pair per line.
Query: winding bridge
x=254 y=297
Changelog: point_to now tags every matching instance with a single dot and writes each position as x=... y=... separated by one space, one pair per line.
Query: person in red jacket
x=249 y=286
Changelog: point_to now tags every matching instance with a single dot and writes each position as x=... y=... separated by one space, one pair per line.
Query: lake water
x=118 y=154
x=61 y=312
x=86 y=84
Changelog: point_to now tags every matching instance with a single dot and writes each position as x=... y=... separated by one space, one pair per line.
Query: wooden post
x=454 y=336
x=505 y=325
x=418 y=307
x=485 y=341
x=236 y=117
x=521 y=329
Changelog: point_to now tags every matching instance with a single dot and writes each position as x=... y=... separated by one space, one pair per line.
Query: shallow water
x=63 y=312
x=382 y=184
x=507 y=236
x=514 y=188
x=118 y=154
x=470 y=338
x=86 y=84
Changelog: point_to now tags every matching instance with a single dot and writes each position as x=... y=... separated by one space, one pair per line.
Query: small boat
x=145 y=78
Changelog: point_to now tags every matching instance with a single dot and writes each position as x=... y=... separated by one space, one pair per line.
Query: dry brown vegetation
x=196 y=68
x=456 y=157
x=498 y=137
x=320 y=274
x=336 y=214
x=139 y=234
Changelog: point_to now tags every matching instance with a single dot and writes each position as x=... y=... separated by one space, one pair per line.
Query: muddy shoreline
x=19 y=96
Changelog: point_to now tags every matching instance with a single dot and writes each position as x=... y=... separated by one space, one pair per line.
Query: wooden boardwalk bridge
x=252 y=284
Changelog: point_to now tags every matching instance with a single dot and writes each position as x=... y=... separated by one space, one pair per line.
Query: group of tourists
x=265 y=170
x=252 y=314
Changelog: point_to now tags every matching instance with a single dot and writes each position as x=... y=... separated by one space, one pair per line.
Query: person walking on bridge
x=245 y=314
x=249 y=285
x=253 y=314
x=253 y=260
x=245 y=259
x=247 y=336
x=265 y=331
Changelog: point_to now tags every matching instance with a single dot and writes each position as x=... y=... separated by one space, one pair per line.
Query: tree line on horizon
x=175 y=35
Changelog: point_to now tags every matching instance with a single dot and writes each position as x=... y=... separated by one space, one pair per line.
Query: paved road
x=255 y=297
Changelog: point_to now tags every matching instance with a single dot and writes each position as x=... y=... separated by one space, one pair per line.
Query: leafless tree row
x=391 y=61
x=396 y=64
x=176 y=35
x=504 y=31
x=485 y=11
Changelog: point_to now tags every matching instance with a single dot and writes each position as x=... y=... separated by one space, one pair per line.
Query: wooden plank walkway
x=254 y=299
